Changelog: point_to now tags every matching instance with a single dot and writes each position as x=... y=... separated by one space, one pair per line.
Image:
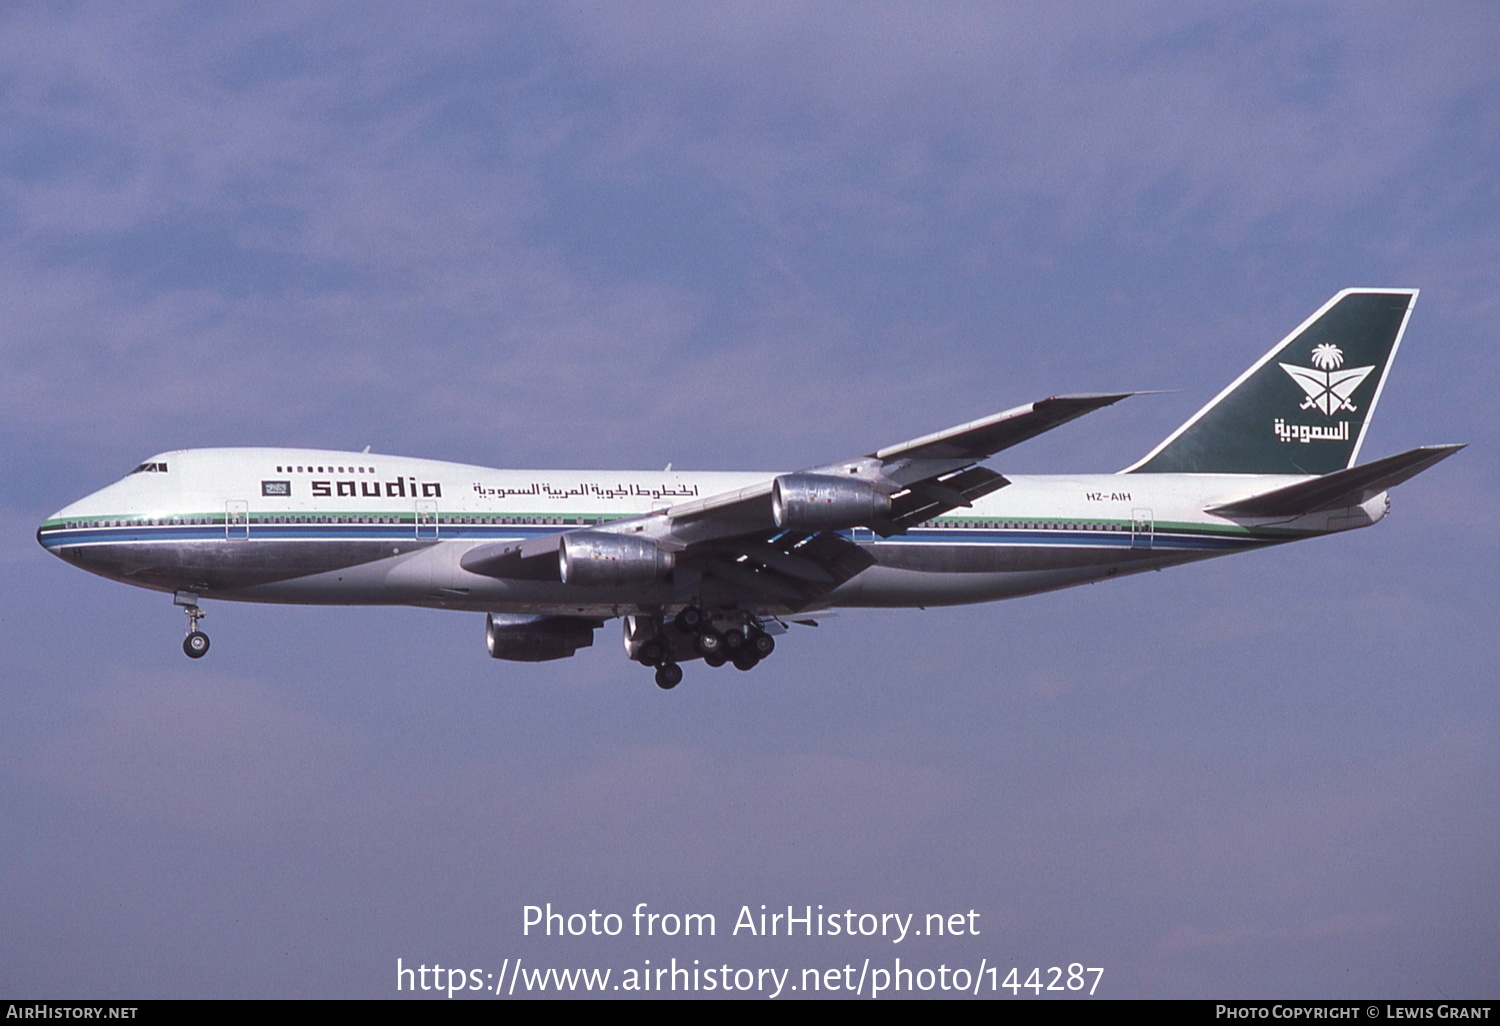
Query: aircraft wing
x=983 y=438
x=925 y=477
x=780 y=538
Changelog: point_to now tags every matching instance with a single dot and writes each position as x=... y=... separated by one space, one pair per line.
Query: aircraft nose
x=46 y=530
x=51 y=535
x=66 y=534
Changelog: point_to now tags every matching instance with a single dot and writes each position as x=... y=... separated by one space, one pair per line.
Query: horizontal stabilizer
x=1341 y=488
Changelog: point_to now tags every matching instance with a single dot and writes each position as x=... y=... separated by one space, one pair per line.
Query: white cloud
x=1147 y=112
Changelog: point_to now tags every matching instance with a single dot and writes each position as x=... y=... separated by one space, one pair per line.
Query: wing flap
x=791 y=568
x=927 y=499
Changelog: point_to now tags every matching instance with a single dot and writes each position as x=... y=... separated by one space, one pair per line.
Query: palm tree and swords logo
x=1331 y=385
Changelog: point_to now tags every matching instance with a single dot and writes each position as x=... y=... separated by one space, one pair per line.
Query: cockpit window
x=150 y=468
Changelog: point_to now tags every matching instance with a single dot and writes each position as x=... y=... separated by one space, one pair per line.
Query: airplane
x=717 y=565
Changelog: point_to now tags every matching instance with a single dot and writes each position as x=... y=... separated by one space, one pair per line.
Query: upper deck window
x=289 y=469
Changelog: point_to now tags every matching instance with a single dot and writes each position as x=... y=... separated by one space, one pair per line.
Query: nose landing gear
x=195 y=645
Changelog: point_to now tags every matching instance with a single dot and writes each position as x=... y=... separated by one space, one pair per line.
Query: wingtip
x=1091 y=398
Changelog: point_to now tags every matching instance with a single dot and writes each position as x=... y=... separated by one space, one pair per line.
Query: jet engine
x=536 y=639
x=820 y=502
x=593 y=559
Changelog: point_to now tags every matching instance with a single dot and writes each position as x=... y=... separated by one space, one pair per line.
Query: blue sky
x=757 y=236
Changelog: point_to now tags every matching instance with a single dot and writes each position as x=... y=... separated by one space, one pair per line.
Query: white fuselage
x=309 y=526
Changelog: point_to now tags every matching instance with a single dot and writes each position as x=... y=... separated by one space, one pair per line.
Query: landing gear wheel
x=196 y=642
x=734 y=640
x=709 y=644
x=746 y=660
x=690 y=620
x=668 y=676
x=652 y=652
x=762 y=644
x=716 y=660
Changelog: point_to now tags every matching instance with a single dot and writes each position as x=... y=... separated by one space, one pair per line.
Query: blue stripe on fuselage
x=1161 y=539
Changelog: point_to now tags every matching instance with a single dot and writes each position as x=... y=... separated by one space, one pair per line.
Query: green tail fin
x=1303 y=407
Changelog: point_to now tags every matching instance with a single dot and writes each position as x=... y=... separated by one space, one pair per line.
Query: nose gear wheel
x=195 y=645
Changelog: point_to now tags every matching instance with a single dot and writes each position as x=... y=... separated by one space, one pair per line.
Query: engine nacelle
x=535 y=639
x=593 y=559
x=820 y=502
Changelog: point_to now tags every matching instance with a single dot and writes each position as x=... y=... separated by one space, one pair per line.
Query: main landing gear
x=744 y=647
x=744 y=644
x=196 y=642
x=691 y=634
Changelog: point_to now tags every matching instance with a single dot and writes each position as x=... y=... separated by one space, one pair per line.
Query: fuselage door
x=236 y=519
x=1142 y=528
x=427 y=522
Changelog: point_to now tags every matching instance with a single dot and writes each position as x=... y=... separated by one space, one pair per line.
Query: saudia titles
x=399 y=488
x=1328 y=387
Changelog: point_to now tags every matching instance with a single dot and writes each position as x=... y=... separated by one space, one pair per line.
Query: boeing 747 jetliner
x=715 y=565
